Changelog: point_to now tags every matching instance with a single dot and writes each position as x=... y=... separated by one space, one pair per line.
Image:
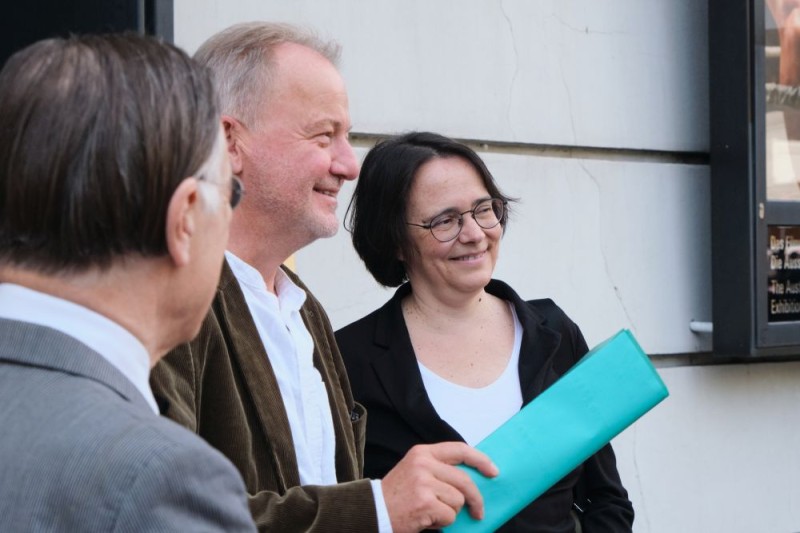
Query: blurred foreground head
x=96 y=134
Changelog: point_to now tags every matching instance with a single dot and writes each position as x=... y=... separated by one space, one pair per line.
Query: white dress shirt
x=114 y=343
x=290 y=349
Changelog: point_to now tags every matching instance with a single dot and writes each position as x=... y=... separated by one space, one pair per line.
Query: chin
x=484 y=279
x=325 y=229
x=475 y=283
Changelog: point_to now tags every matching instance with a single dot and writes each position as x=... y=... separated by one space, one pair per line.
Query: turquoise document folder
x=605 y=392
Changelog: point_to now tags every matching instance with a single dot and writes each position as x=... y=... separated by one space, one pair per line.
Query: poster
x=783 y=278
x=782 y=92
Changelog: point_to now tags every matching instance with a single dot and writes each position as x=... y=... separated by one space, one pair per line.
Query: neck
x=125 y=293
x=440 y=312
x=263 y=251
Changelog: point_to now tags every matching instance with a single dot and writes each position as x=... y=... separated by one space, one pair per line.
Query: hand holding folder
x=605 y=392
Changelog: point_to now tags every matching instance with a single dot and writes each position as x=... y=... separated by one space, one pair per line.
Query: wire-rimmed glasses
x=446 y=227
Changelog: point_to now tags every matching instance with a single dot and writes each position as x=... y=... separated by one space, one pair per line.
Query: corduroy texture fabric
x=83 y=451
x=223 y=387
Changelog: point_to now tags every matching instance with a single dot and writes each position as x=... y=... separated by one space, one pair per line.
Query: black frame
x=26 y=21
x=740 y=211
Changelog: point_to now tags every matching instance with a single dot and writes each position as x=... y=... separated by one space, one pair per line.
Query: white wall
x=599 y=237
x=720 y=454
x=617 y=238
x=620 y=73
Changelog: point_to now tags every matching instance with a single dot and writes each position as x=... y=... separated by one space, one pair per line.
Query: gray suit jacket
x=82 y=451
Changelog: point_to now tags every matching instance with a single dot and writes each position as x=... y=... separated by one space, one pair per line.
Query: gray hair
x=242 y=60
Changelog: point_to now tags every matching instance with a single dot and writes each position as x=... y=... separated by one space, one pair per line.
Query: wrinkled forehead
x=304 y=76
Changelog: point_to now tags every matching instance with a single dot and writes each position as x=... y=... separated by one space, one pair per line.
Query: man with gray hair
x=112 y=232
x=264 y=382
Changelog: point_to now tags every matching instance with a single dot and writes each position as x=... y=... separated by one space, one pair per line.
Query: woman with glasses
x=454 y=353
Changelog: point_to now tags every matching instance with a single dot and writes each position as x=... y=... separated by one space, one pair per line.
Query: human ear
x=233 y=131
x=181 y=221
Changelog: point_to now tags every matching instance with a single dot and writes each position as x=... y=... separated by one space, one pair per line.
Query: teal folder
x=605 y=392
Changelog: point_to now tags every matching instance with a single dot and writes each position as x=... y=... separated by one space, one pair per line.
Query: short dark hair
x=376 y=216
x=96 y=134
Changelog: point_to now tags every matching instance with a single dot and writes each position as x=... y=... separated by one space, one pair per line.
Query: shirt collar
x=289 y=296
x=114 y=343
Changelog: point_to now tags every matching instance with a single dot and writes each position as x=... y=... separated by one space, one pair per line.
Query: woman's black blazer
x=385 y=378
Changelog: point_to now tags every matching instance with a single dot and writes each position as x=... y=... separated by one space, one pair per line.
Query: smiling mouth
x=470 y=257
x=332 y=194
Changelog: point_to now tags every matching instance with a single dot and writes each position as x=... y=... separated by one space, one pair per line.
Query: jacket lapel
x=397 y=369
x=41 y=346
x=329 y=364
x=539 y=344
x=248 y=353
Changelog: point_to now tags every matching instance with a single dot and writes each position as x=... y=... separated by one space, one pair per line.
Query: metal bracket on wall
x=697 y=326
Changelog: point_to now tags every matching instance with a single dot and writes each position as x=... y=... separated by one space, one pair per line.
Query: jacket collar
x=247 y=351
x=249 y=354
x=539 y=343
x=44 y=347
x=398 y=370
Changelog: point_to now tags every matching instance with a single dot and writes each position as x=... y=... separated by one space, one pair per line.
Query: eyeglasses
x=237 y=189
x=447 y=226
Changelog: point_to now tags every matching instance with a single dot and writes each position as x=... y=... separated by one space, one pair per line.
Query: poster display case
x=754 y=81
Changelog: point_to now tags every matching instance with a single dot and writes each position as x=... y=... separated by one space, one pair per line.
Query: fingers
x=459 y=481
x=416 y=499
x=425 y=489
x=451 y=497
x=454 y=453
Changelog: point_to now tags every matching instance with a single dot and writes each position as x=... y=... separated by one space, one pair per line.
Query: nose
x=344 y=163
x=470 y=230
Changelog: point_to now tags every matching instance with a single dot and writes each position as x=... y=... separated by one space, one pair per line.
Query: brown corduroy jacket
x=222 y=387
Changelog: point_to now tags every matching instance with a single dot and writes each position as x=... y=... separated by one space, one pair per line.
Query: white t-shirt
x=476 y=412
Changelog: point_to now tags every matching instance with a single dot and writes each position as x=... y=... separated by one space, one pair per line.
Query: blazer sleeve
x=342 y=507
x=602 y=497
x=599 y=490
x=605 y=502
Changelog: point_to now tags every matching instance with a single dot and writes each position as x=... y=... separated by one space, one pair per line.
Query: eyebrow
x=451 y=210
x=325 y=122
